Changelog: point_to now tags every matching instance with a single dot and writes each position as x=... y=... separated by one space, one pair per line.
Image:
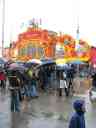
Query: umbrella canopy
x=62 y=66
x=2 y=61
x=47 y=62
x=34 y=61
x=77 y=62
x=15 y=66
x=8 y=62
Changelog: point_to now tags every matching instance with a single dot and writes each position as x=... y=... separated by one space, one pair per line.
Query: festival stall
x=35 y=43
x=66 y=49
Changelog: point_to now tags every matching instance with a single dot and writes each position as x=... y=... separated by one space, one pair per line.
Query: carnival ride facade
x=39 y=43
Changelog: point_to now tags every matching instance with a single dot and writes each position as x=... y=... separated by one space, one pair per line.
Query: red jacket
x=2 y=76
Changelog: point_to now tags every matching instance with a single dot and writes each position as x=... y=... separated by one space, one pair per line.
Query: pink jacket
x=2 y=76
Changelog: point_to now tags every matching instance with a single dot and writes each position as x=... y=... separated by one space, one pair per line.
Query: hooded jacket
x=77 y=120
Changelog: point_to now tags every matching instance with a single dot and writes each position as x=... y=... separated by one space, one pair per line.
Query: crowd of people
x=30 y=83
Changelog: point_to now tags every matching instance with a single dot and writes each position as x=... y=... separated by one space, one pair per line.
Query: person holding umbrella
x=14 y=89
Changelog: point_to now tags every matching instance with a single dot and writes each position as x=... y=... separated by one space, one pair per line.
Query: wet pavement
x=48 y=111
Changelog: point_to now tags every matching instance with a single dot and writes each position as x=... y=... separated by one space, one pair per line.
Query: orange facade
x=69 y=45
x=38 y=43
x=93 y=55
x=35 y=43
x=70 y=53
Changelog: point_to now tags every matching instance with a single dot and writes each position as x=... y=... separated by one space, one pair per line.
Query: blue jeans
x=15 y=107
x=33 y=91
x=47 y=83
x=27 y=90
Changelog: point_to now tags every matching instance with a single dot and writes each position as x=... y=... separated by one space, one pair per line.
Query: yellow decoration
x=61 y=61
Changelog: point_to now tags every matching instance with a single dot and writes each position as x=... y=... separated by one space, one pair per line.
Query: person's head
x=79 y=106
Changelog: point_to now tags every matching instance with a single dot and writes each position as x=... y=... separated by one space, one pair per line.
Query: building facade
x=40 y=43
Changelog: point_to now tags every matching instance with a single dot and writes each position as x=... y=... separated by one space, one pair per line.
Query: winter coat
x=14 y=82
x=77 y=120
x=2 y=76
x=94 y=80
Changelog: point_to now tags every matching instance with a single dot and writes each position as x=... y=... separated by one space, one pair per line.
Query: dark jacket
x=94 y=80
x=77 y=120
x=14 y=82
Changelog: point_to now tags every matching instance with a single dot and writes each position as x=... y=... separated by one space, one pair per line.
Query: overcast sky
x=57 y=15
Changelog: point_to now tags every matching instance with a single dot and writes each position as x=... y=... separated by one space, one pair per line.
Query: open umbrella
x=34 y=61
x=47 y=61
x=2 y=61
x=15 y=66
x=77 y=62
x=62 y=66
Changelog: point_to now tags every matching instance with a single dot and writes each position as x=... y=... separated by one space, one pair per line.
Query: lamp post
x=3 y=24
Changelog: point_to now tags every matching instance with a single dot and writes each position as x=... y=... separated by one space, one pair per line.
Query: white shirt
x=63 y=84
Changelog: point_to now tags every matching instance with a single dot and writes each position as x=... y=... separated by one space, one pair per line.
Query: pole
x=3 y=24
x=77 y=35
